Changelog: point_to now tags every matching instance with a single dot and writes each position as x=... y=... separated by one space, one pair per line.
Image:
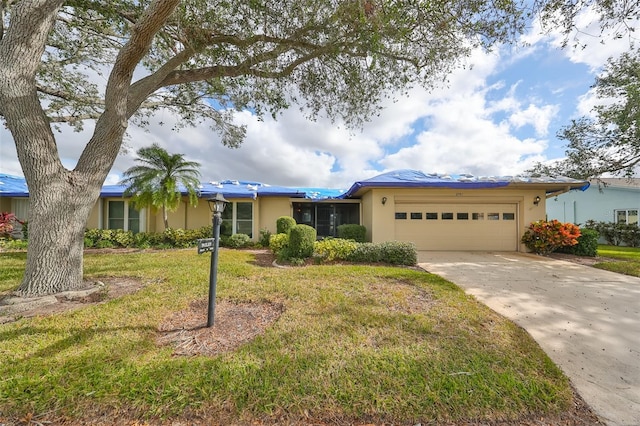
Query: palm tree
x=156 y=182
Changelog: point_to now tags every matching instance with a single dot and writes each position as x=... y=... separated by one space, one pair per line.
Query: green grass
x=355 y=343
x=628 y=259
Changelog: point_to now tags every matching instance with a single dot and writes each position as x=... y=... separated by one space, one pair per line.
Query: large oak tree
x=202 y=59
x=607 y=141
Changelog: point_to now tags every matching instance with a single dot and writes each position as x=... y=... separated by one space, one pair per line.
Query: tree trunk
x=59 y=210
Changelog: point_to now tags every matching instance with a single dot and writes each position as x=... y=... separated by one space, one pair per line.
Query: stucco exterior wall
x=595 y=203
x=5 y=205
x=383 y=215
x=268 y=211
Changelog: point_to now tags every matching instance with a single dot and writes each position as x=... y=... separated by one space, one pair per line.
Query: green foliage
x=353 y=232
x=610 y=142
x=398 y=253
x=278 y=243
x=301 y=240
x=544 y=237
x=157 y=180
x=238 y=241
x=394 y=252
x=265 y=236
x=617 y=233
x=170 y=238
x=587 y=243
x=334 y=249
x=284 y=224
x=366 y=253
x=12 y=244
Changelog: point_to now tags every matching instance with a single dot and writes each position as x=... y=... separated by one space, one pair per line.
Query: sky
x=498 y=116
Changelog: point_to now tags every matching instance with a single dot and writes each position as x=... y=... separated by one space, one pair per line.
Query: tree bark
x=59 y=212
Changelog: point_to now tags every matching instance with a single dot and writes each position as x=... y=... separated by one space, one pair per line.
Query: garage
x=458 y=226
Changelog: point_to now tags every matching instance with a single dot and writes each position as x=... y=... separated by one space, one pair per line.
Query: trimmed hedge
x=617 y=234
x=334 y=249
x=353 y=232
x=284 y=224
x=301 y=239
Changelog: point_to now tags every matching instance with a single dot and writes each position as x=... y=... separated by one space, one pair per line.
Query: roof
x=630 y=183
x=228 y=188
x=15 y=186
x=417 y=179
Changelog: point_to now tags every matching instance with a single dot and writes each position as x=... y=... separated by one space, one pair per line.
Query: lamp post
x=216 y=205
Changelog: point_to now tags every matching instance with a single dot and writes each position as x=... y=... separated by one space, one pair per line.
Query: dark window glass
x=116 y=215
x=477 y=216
x=431 y=216
x=402 y=215
x=417 y=215
x=447 y=216
x=462 y=216
x=508 y=216
x=493 y=216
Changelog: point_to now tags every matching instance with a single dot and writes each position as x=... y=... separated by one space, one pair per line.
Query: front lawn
x=354 y=344
x=628 y=259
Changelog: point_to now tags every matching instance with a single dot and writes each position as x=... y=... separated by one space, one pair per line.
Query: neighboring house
x=436 y=212
x=611 y=200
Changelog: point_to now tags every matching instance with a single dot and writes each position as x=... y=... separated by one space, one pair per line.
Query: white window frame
x=626 y=215
x=234 y=217
x=142 y=216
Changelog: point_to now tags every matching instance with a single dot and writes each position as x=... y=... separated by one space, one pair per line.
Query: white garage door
x=492 y=227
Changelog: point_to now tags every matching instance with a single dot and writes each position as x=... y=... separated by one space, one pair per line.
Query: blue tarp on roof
x=417 y=179
x=228 y=188
x=13 y=186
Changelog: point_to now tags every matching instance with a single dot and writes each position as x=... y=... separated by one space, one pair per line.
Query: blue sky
x=497 y=116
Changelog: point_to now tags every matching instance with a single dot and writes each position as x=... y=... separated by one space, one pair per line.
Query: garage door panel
x=458 y=226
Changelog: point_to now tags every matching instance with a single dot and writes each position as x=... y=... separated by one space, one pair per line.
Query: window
x=417 y=215
x=431 y=216
x=401 y=215
x=628 y=216
x=508 y=216
x=462 y=216
x=122 y=215
x=447 y=216
x=326 y=217
x=237 y=218
x=477 y=216
x=493 y=216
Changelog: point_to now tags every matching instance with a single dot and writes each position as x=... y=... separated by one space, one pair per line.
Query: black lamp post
x=216 y=205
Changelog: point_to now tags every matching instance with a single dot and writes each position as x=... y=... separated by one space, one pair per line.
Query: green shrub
x=366 y=253
x=334 y=249
x=105 y=244
x=239 y=241
x=278 y=243
x=123 y=238
x=301 y=239
x=630 y=234
x=398 y=253
x=11 y=244
x=544 y=237
x=265 y=235
x=284 y=224
x=587 y=243
x=353 y=232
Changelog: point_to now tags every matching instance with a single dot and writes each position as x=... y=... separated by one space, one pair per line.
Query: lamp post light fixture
x=216 y=205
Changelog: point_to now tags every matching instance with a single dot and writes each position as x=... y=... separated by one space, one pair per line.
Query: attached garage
x=458 y=226
x=457 y=212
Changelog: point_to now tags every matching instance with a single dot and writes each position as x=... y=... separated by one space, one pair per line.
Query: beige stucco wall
x=5 y=205
x=381 y=224
x=270 y=209
x=93 y=222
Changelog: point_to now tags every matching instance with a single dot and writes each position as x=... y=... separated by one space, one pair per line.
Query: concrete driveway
x=587 y=320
